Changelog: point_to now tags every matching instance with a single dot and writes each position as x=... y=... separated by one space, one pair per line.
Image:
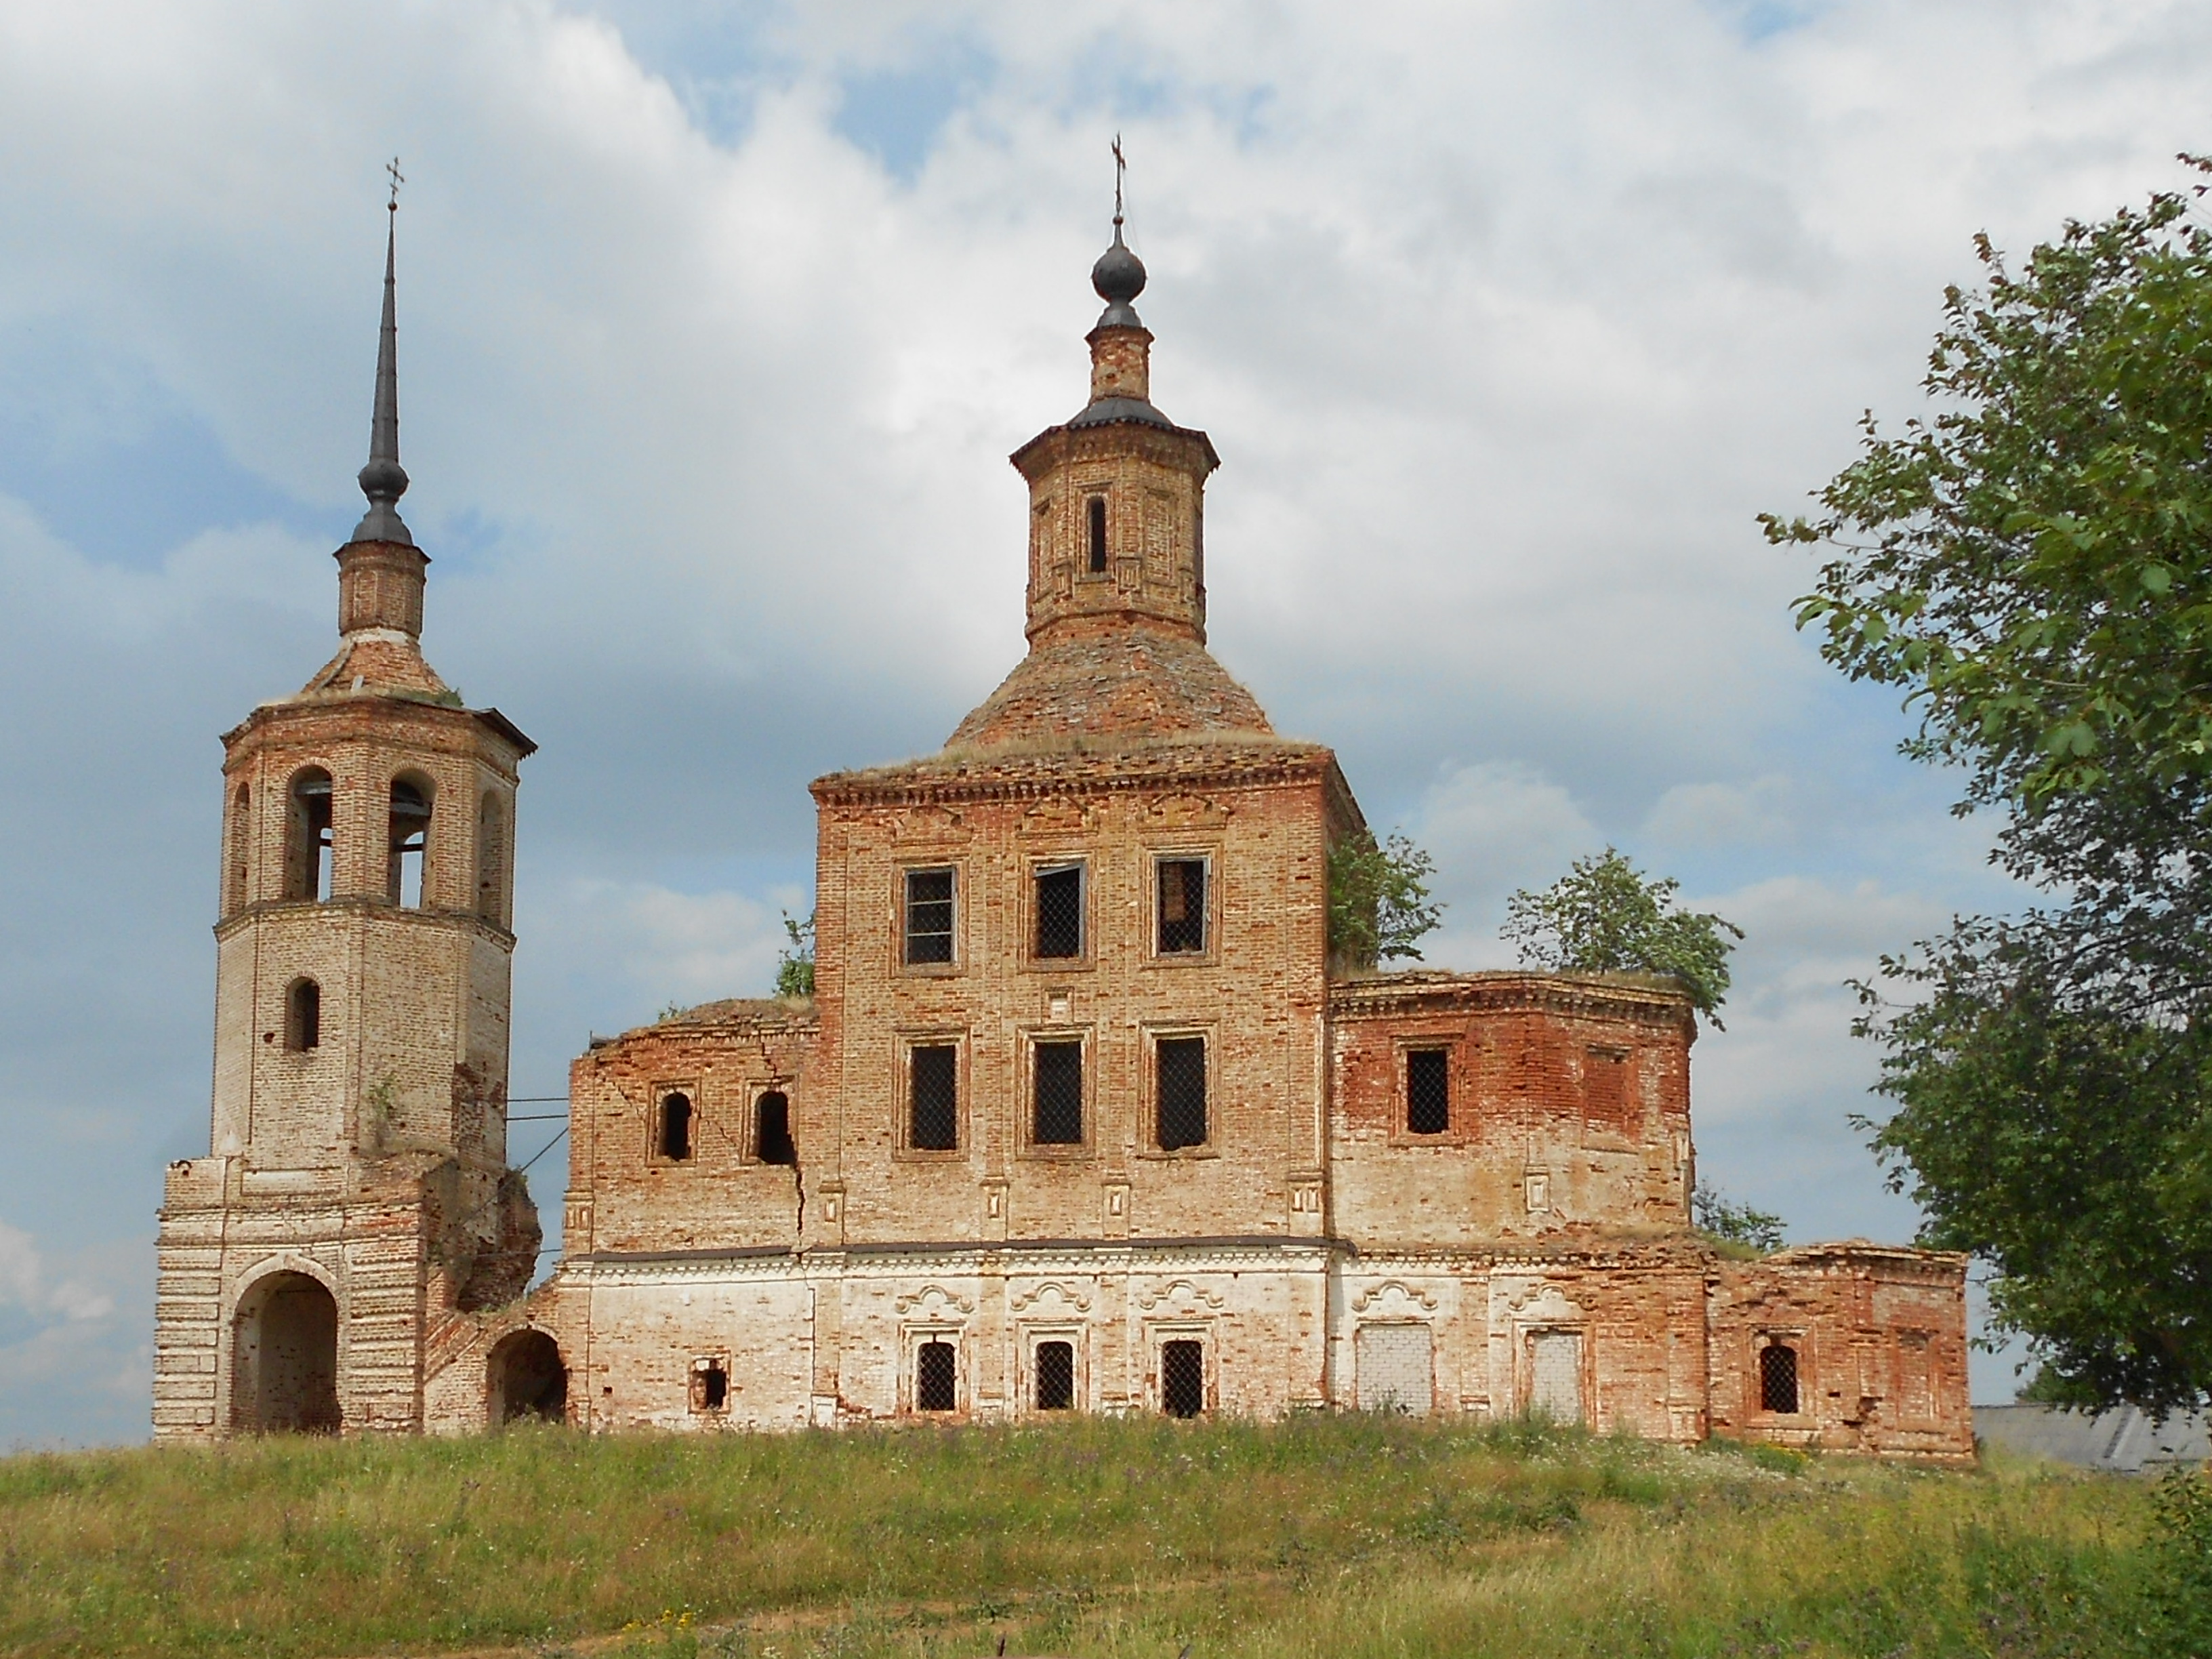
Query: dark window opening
x=1428 y=1092
x=1059 y=911
x=308 y=862
x=772 y=1129
x=1183 y=905
x=410 y=842
x=710 y=1386
x=1778 y=1379
x=1055 y=1376
x=1182 y=1080
x=1182 y=1378
x=1058 y=1117
x=933 y=1117
x=303 y=1016
x=928 y=915
x=676 y=1127
x=936 y=1379
x=1097 y=505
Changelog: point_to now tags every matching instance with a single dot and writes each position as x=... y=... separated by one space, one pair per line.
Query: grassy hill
x=1331 y=1536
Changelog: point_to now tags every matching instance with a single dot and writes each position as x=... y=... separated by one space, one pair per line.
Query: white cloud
x=1698 y=815
x=24 y=1282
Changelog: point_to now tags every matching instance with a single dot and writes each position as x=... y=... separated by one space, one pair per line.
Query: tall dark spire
x=384 y=481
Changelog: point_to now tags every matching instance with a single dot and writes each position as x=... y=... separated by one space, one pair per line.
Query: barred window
x=1778 y=1379
x=1057 y=1118
x=928 y=915
x=933 y=1098
x=1428 y=1092
x=1181 y=1078
x=1059 y=911
x=1182 y=906
x=1182 y=1378
x=1055 y=1376
x=936 y=1379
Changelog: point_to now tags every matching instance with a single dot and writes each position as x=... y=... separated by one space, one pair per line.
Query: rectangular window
x=1181 y=1080
x=1057 y=1118
x=1182 y=1378
x=933 y=1098
x=1059 y=911
x=936 y=1379
x=929 y=916
x=1428 y=1092
x=1182 y=906
x=1055 y=1376
x=1098 y=510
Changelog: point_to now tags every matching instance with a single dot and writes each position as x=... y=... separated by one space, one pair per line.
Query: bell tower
x=356 y=1189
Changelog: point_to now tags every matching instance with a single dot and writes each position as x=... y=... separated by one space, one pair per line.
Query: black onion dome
x=1119 y=276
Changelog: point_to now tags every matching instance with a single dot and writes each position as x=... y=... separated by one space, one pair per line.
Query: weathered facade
x=1082 y=1116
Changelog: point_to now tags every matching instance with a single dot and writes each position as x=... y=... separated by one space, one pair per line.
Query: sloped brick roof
x=381 y=663
x=1126 y=680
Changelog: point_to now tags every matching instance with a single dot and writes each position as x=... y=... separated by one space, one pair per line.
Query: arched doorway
x=284 y=1358
x=527 y=1380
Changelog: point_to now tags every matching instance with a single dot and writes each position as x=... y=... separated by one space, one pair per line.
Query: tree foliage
x=1378 y=899
x=1605 y=916
x=794 y=963
x=1732 y=1223
x=2033 y=566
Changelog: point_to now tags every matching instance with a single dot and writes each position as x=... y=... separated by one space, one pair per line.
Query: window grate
x=1182 y=1378
x=1181 y=1080
x=1057 y=1118
x=1182 y=906
x=1778 y=1379
x=1428 y=1092
x=929 y=916
x=1059 y=911
x=1055 y=1376
x=933 y=1122
x=936 y=1379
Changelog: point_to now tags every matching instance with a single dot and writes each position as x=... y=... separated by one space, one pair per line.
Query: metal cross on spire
x=397 y=179
x=1120 y=167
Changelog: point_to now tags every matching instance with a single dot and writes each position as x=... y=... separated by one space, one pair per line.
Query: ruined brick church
x=1082 y=1116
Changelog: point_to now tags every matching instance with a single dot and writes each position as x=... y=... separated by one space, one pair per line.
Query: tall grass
x=1348 y=1536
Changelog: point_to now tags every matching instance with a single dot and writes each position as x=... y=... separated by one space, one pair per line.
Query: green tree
x=794 y=963
x=2032 y=565
x=1378 y=899
x=1605 y=916
x=1732 y=1223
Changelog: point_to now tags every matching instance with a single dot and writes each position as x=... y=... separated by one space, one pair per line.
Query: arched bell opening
x=527 y=1380
x=284 y=1358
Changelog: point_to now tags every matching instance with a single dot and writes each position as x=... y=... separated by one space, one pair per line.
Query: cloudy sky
x=718 y=322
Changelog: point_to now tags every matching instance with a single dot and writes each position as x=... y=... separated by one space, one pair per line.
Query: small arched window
x=673 y=1132
x=308 y=867
x=237 y=841
x=303 y=1016
x=491 y=859
x=407 y=869
x=1778 y=1379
